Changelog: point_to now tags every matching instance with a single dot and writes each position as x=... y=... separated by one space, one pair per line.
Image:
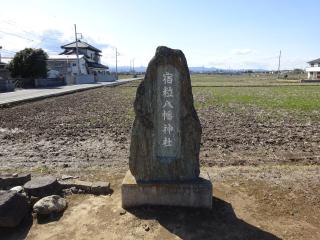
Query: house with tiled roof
x=90 y=68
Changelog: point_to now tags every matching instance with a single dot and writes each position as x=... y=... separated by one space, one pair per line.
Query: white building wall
x=73 y=69
x=91 y=54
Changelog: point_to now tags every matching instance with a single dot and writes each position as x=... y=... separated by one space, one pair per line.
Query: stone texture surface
x=18 y=189
x=13 y=208
x=88 y=187
x=50 y=204
x=42 y=186
x=144 y=162
x=197 y=194
x=14 y=180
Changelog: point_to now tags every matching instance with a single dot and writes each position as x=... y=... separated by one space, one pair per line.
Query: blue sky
x=224 y=34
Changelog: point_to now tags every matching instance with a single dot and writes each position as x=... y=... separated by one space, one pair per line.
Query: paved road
x=9 y=98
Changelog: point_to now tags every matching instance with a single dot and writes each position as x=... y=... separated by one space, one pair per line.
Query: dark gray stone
x=13 y=208
x=14 y=180
x=42 y=186
x=166 y=133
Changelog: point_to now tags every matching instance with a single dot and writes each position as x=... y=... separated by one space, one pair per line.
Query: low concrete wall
x=310 y=81
x=49 y=82
x=84 y=79
x=70 y=80
x=6 y=85
x=105 y=78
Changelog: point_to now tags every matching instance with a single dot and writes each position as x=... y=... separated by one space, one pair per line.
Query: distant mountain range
x=192 y=69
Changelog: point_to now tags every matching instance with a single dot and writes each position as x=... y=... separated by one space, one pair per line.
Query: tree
x=298 y=71
x=29 y=63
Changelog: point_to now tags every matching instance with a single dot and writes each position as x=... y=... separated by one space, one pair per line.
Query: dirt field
x=264 y=163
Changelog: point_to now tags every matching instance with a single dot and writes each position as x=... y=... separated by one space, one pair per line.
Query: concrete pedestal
x=197 y=194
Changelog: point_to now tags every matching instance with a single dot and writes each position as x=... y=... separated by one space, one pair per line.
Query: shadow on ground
x=218 y=223
x=18 y=233
x=21 y=232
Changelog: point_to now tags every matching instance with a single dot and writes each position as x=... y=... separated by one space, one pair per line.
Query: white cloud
x=245 y=51
x=50 y=33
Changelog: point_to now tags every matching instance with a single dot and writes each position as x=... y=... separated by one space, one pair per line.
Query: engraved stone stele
x=150 y=158
x=165 y=141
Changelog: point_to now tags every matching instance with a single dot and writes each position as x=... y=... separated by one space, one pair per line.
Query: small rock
x=65 y=165
x=13 y=208
x=236 y=184
x=146 y=227
x=66 y=177
x=122 y=212
x=18 y=189
x=50 y=204
x=15 y=175
x=74 y=190
x=66 y=192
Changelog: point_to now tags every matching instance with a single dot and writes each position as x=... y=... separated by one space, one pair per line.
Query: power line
x=15 y=25
x=16 y=35
x=36 y=37
x=8 y=51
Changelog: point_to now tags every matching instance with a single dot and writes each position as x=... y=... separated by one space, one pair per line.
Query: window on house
x=74 y=64
x=312 y=64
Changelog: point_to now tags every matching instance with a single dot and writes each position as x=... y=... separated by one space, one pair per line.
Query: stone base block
x=197 y=194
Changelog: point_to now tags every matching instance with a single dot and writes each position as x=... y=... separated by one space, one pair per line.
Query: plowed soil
x=265 y=169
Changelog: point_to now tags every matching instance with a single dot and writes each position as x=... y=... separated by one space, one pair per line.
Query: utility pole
x=131 y=66
x=77 y=51
x=0 y=53
x=279 y=65
x=117 y=54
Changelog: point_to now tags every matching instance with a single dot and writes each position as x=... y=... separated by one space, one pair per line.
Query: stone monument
x=165 y=142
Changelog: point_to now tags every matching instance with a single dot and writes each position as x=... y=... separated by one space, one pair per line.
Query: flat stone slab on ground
x=13 y=180
x=42 y=186
x=88 y=187
x=196 y=194
x=13 y=208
